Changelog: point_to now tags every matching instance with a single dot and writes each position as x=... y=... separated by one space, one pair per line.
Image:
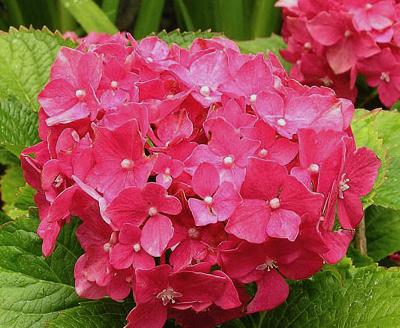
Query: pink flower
x=355 y=180
x=158 y=289
x=119 y=164
x=219 y=200
x=146 y=206
x=275 y=211
x=345 y=44
x=383 y=72
x=70 y=95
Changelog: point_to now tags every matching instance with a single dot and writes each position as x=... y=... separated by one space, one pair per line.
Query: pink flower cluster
x=195 y=173
x=331 y=42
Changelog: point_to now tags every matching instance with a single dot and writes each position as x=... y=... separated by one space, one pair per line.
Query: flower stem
x=360 y=241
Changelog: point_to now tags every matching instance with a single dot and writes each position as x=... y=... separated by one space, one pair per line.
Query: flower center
x=168 y=295
x=193 y=233
x=152 y=211
x=275 y=203
x=343 y=186
x=385 y=76
x=267 y=266
x=114 y=84
x=80 y=94
x=136 y=247
x=228 y=160
x=368 y=6
x=107 y=247
x=281 y=122
x=313 y=168
x=253 y=98
x=127 y=164
x=326 y=81
x=208 y=200
x=149 y=59
x=58 y=181
x=205 y=90
x=263 y=152
x=167 y=171
x=347 y=34
x=307 y=45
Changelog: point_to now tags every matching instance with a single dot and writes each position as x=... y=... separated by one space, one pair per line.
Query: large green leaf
x=378 y=131
x=10 y=183
x=39 y=292
x=185 y=39
x=383 y=231
x=365 y=297
x=90 y=16
x=25 y=59
x=19 y=126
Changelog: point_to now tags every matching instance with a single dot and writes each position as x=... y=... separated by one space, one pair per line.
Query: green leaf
x=24 y=197
x=10 y=182
x=18 y=126
x=368 y=297
x=25 y=59
x=38 y=292
x=378 y=131
x=90 y=16
x=273 y=44
x=185 y=39
x=383 y=231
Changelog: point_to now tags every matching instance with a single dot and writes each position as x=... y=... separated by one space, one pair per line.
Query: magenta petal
x=205 y=180
x=350 y=210
x=249 y=221
x=283 y=224
x=202 y=213
x=121 y=256
x=225 y=201
x=149 y=315
x=156 y=234
x=272 y=290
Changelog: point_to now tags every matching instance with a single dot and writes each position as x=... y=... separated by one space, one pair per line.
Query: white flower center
x=314 y=168
x=347 y=34
x=168 y=295
x=281 y=122
x=152 y=211
x=385 y=76
x=263 y=152
x=58 y=181
x=107 y=247
x=114 y=84
x=368 y=6
x=167 y=171
x=275 y=203
x=208 y=200
x=193 y=232
x=136 y=248
x=228 y=160
x=126 y=163
x=343 y=186
x=205 y=90
x=267 y=266
x=253 y=98
x=326 y=81
x=307 y=45
x=80 y=94
x=149 y=59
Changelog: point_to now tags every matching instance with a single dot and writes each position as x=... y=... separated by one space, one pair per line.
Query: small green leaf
x=18 y=126
x=25 y=59
x=38 y=292
x=378 y=131
x=273 y=44
x=383 y=231
x=368 y=297
x=185 y=39
x=90 y=16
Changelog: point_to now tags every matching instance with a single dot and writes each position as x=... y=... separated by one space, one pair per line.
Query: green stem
x=371 y=96
x=360 y=241
x=265 y=18
x=149 y=18
x=110 y=8
x=262 y=317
